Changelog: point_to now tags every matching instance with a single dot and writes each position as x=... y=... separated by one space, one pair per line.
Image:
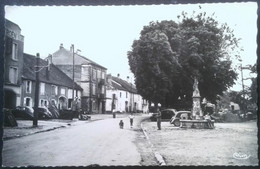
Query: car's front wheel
x=176 y=122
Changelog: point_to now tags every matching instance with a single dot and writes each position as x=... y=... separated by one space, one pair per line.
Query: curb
x=157 y=155
x=28 y=134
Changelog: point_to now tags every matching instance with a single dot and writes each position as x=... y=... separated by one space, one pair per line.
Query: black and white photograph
x=130 y=85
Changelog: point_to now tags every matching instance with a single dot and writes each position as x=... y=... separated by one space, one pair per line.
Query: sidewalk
x=25 y=127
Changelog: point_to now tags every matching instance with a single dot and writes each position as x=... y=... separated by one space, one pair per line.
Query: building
x=87 y=74
x=55 y=87
x=13 y=67
x=123 y=96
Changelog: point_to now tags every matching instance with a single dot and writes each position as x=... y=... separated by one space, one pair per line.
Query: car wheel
x=176 y=122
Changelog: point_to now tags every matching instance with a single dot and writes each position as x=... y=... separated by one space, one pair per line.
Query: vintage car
x=23 y=112
x=175 y=120
x=166 y=114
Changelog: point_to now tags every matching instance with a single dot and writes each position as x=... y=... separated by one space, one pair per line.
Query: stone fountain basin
x=197 y=124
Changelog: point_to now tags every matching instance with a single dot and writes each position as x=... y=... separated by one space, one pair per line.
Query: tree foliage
x=168 y=55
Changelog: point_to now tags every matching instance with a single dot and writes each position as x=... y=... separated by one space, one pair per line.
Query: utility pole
x=242 y=78
x=36 y=98
x=73 y=64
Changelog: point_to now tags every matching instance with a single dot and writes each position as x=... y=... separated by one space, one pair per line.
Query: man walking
x=159 y=115
x=131 y=117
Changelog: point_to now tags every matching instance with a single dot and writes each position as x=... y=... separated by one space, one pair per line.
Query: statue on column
x=196 y=108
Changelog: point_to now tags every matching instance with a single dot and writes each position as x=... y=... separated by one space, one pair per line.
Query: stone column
x=196 y=108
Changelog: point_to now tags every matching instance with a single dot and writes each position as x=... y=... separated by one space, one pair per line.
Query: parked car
x=44 y=113
x=180 y=115
x=23 y=112
x=166 y=114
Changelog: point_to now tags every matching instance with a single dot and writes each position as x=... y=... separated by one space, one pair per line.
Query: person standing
x=131 y=117
x=159 y=115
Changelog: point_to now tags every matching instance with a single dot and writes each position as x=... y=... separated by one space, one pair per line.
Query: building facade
x=55 y=87
x=123 y=96
x=89 y=75
x=13 y=65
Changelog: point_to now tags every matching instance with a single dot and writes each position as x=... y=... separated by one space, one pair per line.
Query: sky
x=105 y=34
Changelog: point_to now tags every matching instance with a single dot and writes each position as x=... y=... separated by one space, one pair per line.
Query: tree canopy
x=168 y=55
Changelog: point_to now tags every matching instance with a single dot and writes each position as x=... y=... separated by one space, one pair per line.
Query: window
x=28 y=86
x=62 y=91
x=94 y=74
x=42 y=88
x=28 y=101
x=85 y=73
x=54 y=90
x=15 y=51
x=126 y=94
x=43 y=103
x=98 y=74
x=70 y=103
x=13 y=75
x=93 y=89
x=120 y=94
x=103 y=75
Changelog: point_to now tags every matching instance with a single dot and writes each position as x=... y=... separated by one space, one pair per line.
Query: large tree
x=169 y=55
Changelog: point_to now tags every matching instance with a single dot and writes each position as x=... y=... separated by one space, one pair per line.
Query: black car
x=166 y=114
x=44 y=113
x=185 y=115
x=23 y=112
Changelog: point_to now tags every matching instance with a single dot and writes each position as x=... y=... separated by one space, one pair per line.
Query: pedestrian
x=159 y=116
x=208 y=118
x=131 y=117
x=121 y=124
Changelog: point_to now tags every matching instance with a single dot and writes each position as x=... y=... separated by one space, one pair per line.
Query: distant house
x=13 y=65
x=87 y=74
x=123 y=96
x=55 y=86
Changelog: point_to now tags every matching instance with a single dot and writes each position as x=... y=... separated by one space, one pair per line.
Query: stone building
x=123 y=96
x=13 y=65
x=55 y=87
x=87 y=74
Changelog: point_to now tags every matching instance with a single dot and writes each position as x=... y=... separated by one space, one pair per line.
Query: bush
x=9 y=119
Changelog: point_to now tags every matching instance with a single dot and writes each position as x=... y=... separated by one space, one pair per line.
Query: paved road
x=100 y=142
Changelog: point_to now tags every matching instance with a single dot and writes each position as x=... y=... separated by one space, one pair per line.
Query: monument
x=198 y=120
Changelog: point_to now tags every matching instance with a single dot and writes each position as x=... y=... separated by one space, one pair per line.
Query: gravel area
x=228 y=144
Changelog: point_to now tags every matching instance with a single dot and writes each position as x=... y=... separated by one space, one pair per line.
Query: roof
x=65 y=57
x=10 y=24
x=124 y=84
x=118 y=86
x=56 y=76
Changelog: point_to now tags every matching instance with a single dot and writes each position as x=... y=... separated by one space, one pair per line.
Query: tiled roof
x=127 y=86
x=56 y=76
x=117 y=86
x=67 y=58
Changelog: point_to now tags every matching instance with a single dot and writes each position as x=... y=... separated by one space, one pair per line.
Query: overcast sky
x=104 y=34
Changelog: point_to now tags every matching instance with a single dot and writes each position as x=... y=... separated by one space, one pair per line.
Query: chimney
x=71 y=48
x=109 y=79
x=61 y=45
x=127 y=79
x=118 y=75
x=49 y=58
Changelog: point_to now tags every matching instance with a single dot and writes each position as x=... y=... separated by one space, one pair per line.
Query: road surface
x=100 y=142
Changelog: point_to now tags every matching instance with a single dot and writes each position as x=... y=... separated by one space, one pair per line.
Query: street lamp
x=73 y=68
x=36 y=98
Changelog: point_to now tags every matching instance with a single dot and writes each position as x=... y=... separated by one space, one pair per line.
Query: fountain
x=198 y=120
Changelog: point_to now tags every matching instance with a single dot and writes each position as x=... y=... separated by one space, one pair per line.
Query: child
x=121 y=124
x=131 y=117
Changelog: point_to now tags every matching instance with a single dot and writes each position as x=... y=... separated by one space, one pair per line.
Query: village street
x=102 y=142
x=98 y=142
